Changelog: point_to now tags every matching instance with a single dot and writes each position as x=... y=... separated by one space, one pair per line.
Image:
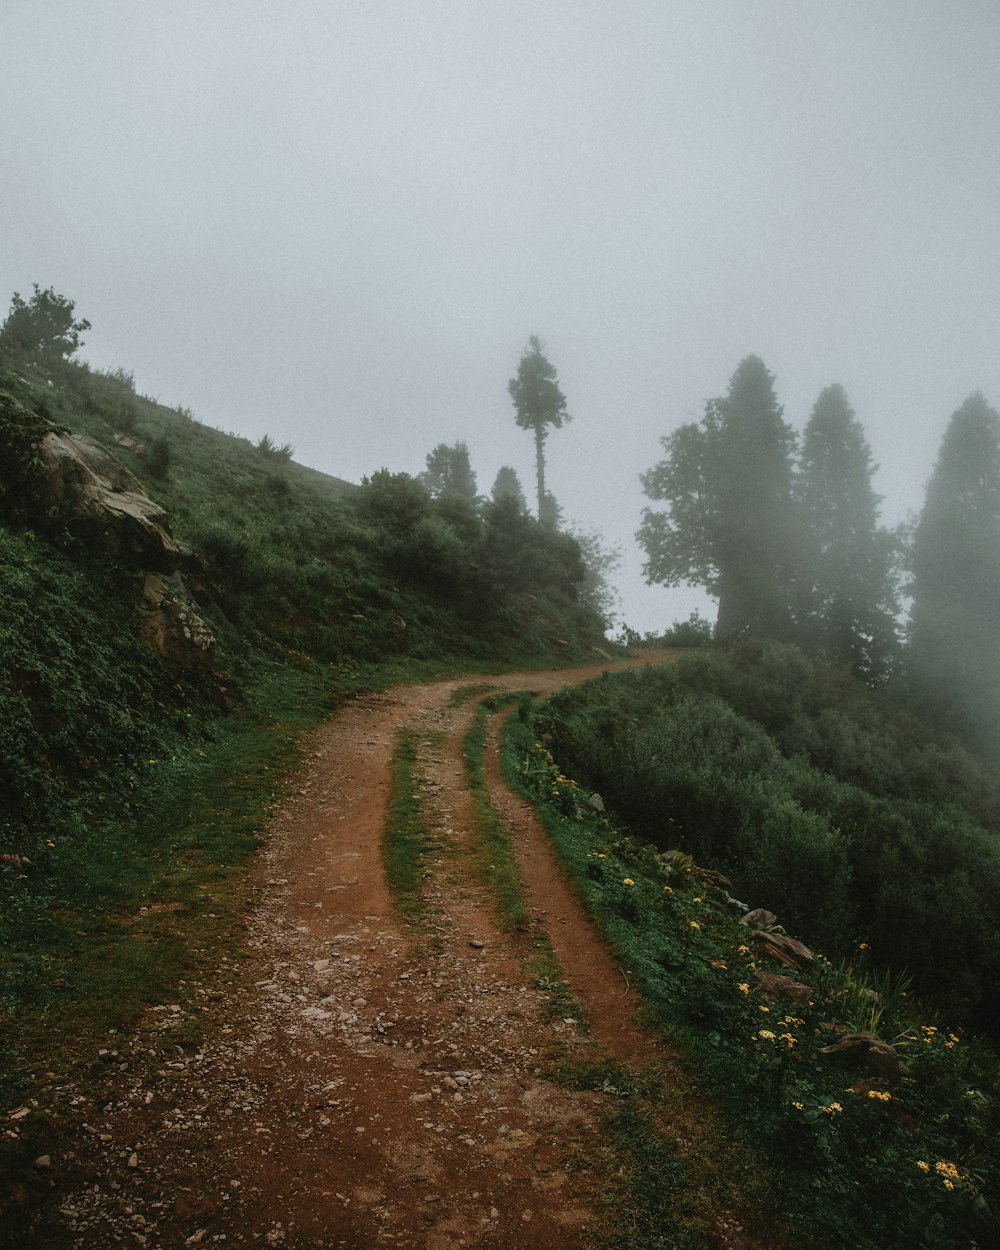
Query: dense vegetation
x=830 y=806
x=748 y=762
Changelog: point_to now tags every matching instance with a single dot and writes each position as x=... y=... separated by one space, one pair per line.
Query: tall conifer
x=847 y=601
x=954 y=636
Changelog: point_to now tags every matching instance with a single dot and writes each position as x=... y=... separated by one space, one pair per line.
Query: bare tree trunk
x=540 y=467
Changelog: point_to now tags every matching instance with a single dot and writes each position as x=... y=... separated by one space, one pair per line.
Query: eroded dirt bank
x=365 y=1085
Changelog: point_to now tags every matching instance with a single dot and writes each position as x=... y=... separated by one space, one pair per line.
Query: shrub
x=159 y=458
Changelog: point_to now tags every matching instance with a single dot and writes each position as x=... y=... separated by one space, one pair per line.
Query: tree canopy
x=729 y=524
x=539 y=404
x=508 y=483
x=43 y=324
x=449 y=472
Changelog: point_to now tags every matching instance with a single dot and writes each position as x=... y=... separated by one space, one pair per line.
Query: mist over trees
x=507 y=483
x=539 y=404
x=729 y=526
x=786 y=536
x=849 y=604
x=954 y=632
x=449 y=472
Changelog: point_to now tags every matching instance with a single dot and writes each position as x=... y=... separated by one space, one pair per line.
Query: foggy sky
x=338 y=222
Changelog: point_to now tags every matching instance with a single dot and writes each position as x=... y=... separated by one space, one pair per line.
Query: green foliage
x=21 y=432
x=822 y=802
x=599 y=562
x=550 y=512
x=159 y=459
x=449 y=472
x=848 y=600
x=791 y=555
x=903 y=1159
x=696 y=631
x=498 y=863
x=273 y=451
x=508 y=483
x=539 y=404
x=82 y=700
x=42 y=325
x=405 y=838
x=729 y=523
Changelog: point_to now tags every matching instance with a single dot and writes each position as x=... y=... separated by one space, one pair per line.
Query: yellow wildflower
x=923 y=1165
x=744 y=987
x=627 y=881
x=693 y=924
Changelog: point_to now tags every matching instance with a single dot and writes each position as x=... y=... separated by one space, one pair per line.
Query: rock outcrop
x=83 y=486
x=95 y=495
x=169 y=622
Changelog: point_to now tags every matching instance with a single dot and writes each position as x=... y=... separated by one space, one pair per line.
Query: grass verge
x=406 y=838
x=496 y=854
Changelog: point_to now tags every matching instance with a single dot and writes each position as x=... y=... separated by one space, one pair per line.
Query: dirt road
x=366 y=1084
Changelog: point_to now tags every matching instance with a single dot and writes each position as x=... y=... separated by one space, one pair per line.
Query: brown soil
x=366 y=1083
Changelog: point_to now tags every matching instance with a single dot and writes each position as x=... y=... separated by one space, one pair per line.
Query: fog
x=338 y=222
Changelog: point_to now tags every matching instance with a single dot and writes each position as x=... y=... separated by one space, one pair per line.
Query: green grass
x=406 y=838
x=837 y=1159
x=497 y=860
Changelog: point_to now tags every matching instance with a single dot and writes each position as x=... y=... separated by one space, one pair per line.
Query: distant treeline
x=785 y=533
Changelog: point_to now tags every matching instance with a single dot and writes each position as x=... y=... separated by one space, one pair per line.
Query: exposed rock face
x=83 y=485
x=169 y=623
x=87 y=487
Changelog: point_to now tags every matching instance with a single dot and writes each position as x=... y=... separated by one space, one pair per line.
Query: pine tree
x=954 y=639
x=508 y=483
x=847 y=602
